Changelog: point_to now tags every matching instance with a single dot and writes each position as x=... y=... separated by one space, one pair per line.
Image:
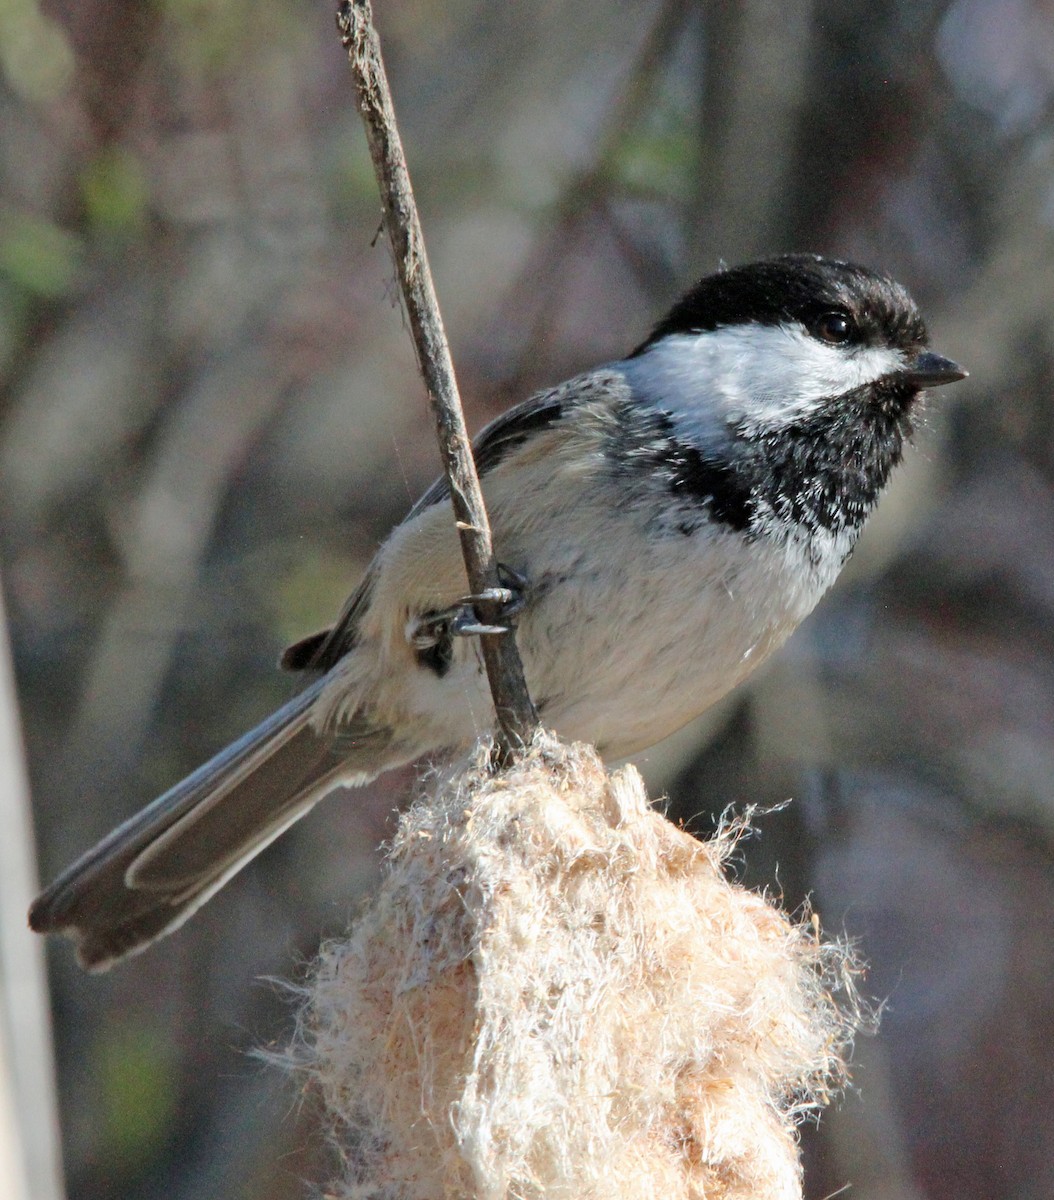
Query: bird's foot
x=463 y=619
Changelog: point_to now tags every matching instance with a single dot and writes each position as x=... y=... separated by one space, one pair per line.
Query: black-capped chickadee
x=664 y=522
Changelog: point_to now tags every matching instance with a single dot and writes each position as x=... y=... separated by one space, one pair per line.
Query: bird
x=663 y=522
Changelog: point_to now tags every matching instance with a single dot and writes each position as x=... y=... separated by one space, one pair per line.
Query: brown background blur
x=209 y=416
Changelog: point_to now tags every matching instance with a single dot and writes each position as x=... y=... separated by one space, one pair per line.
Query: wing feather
x=321 y=651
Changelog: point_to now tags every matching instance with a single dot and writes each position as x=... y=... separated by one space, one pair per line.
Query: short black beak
x=932 y=370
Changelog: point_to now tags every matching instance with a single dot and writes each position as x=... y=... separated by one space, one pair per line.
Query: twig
x=516 y=714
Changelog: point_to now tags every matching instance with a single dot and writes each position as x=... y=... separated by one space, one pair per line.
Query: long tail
x=158 y=868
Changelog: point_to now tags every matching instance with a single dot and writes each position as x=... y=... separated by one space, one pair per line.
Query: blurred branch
x=516 y=715
x=757 y=71
x=588 y=194
x=30 y=1159
x=163 y=539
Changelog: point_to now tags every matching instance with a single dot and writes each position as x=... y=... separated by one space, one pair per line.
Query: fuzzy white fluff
x=556 y=993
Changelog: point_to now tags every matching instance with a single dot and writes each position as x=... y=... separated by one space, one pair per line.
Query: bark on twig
x=516 y=715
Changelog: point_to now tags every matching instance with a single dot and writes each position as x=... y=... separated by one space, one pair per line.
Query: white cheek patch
x=757 y=375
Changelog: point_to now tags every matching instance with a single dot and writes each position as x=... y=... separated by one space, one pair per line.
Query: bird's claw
x=462 y=619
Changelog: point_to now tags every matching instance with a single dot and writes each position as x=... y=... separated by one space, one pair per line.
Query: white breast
x=655 y=632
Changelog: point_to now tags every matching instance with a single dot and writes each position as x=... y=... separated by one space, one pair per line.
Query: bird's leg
x=462 y=618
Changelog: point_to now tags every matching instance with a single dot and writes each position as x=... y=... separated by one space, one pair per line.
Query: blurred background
x=210 y=416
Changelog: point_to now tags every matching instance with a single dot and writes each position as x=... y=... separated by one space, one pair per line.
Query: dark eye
x=835 y=328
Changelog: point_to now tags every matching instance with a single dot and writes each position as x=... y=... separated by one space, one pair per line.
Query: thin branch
x=516 y=714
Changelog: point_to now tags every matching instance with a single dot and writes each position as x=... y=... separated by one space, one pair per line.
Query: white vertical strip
x=30 y=1153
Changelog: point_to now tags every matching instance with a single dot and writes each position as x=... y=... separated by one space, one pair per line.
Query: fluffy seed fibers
x=557 y=993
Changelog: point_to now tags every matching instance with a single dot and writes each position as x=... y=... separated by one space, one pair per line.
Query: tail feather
x=159 y=867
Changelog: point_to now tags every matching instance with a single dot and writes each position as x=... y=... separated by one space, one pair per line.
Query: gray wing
x=320 y=651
